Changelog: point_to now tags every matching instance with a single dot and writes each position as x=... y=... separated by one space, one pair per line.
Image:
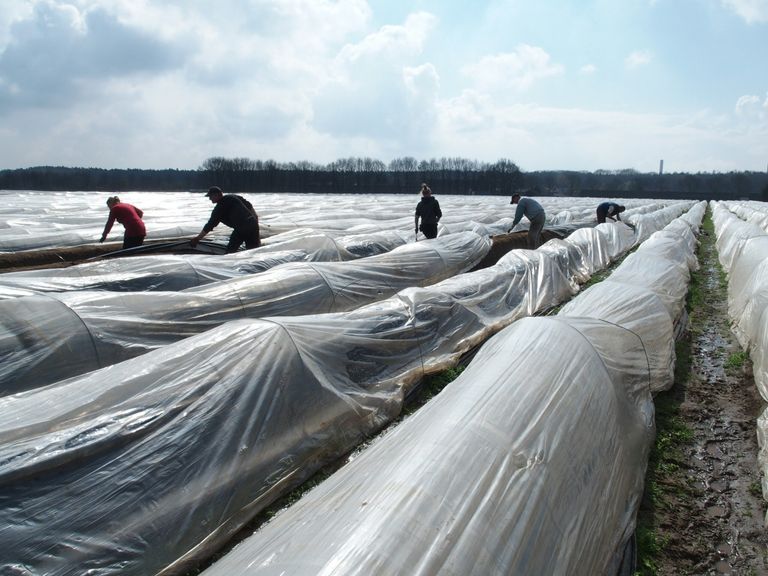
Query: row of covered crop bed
x=531 y=462
x=151 y=463
x=60 y=323
x=742 y=243
x=33 y=220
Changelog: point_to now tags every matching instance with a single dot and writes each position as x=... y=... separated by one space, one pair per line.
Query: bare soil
x=703 y=502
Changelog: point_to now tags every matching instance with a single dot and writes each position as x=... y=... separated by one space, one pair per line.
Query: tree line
x=401 y=176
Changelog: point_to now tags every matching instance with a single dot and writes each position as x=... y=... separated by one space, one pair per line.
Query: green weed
x=736 y=360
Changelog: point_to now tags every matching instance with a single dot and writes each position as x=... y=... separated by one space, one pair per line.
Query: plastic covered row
x=528 y=463
x=152 y=463
x=52 y=336
x=33 y=220
x=178 y=272
x=743 y=252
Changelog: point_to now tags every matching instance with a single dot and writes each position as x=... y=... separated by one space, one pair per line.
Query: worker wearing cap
x=237 y=213
x=534 y=211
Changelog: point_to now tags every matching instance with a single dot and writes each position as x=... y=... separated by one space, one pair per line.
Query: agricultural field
x=157 y=405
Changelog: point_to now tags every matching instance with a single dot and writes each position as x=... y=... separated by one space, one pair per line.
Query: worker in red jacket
x=130 y=217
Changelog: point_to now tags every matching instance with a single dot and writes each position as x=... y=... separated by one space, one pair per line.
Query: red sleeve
x=110 y=222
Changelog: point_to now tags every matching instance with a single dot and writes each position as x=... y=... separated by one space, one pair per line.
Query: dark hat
x=213 y=190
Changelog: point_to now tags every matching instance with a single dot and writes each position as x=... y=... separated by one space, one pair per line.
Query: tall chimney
x=661 y=167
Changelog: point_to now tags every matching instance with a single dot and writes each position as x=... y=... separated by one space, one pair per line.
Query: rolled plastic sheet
x=502 y=473
x=122 y=325
x=178 y=272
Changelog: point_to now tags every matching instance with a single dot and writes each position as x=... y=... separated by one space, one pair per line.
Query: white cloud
x=747 y=103
x=517 y=70
x=379 y=88
x=159 y=83
x=752 y=110
x=538 y=138
x=752 y=11
x=59 y=51
x=638 y=58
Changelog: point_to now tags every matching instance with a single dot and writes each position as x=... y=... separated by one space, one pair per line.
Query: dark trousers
x=429 y=230
x=534 y=232
x=132 y=241
x=250 y=237
x=601 y=214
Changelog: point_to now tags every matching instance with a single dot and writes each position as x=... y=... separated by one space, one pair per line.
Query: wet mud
x=707 y=508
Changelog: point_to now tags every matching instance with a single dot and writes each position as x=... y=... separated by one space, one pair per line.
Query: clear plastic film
x=153 y=462
x=122 y=325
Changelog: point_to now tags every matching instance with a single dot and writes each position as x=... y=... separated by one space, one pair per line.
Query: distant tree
x=405 y=164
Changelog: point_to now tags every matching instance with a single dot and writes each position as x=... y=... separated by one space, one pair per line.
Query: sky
x=549 y=84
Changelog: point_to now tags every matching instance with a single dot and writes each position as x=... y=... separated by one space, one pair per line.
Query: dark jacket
x=233 y=211
x=429 y=210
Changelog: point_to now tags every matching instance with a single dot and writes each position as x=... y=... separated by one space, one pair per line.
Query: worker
x=428 y=209
x=532 y=210
x=237 y=213
x=130 y=217
x=609 y=210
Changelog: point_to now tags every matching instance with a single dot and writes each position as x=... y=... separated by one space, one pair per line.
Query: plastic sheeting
x=172 y=272
x=50 y=337
x=33 y=220
x=155 y=461
x=502 y=473
x=646 y=294
x=743 y=251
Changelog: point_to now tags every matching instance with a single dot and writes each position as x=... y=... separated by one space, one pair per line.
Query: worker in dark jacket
x=130 y=217
x=237 y=213
x=609 y=210
x=428 y=209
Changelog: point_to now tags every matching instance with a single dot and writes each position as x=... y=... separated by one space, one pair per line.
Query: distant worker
x=609 y=210
x=130 y=217
x=237 y=213
x=428 y=209
x=532 y=210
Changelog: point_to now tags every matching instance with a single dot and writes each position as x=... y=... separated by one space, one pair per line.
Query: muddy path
x=703 y=509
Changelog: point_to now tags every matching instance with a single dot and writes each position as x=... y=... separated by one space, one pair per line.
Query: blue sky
x=550 y=85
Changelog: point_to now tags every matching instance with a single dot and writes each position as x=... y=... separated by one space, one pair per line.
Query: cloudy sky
x=548 y=84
